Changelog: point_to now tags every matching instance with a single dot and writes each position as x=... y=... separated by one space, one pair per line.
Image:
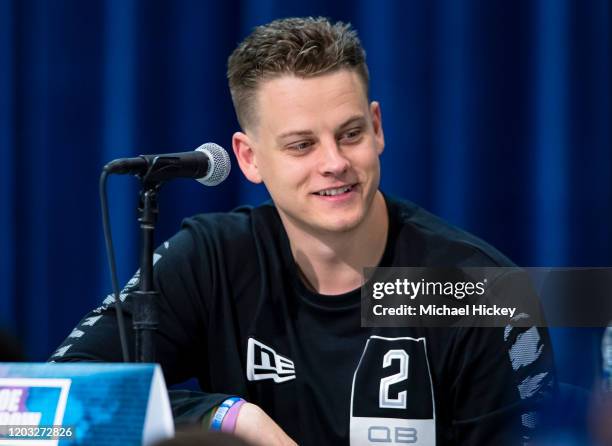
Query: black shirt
x=235 y=314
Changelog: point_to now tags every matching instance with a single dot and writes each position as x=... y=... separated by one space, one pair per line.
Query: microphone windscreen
x=219 y=164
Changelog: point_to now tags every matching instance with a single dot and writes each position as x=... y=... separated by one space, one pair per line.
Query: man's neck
x=332 y=263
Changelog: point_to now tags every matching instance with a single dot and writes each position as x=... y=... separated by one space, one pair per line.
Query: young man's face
x=315 y=145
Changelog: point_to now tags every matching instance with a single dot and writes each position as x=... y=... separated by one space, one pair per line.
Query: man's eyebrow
x=353 y=120
x=357 y=119
x=294 y=133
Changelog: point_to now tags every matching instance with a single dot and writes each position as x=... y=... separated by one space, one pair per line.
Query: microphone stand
x=145 y=319
x=145 y=316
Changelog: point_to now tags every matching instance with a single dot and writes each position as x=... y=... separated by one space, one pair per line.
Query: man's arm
x=180 y=272
x=506 y=375
x=502 y=385
x=182 y=316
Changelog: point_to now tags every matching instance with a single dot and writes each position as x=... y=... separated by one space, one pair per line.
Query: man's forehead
x=288 y=100
x=292 y=85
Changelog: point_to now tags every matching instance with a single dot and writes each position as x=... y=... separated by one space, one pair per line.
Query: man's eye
x=300 y=146
x=352 y=135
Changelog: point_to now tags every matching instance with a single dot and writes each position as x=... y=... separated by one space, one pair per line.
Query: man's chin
x=325 y=223
x=338 y=225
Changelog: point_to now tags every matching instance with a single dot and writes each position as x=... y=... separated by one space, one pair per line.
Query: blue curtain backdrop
x=496 y=114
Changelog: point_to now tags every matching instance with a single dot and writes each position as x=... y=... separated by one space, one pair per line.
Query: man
x=264 y=303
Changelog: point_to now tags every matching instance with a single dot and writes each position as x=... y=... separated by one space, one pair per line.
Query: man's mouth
x=335 y=191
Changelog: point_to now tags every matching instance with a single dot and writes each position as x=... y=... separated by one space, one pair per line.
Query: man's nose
x=333 y=160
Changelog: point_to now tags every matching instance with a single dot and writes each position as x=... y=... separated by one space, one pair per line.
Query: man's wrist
x=229 y=421
x=218 y=419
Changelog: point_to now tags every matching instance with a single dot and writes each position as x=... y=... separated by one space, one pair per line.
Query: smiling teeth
x=332 y=192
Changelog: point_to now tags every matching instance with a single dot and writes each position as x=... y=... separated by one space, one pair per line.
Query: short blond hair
x=304 y=47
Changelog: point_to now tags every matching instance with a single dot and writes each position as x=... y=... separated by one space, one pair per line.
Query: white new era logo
x=265 y=363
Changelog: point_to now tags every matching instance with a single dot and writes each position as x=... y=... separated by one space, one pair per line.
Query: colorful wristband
x=229 y=422
x=222 y=412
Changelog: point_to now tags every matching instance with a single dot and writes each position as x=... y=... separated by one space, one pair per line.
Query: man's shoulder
x=238 y=218
x=235 y=225
x=438 y=241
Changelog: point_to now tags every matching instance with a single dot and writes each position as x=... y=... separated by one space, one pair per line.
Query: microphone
x=209 y=164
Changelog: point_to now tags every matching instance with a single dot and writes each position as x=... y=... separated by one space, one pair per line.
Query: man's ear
x=243 y=149
x=379 y=135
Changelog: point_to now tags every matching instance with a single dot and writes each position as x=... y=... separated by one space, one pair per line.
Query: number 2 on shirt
x=392 y=394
